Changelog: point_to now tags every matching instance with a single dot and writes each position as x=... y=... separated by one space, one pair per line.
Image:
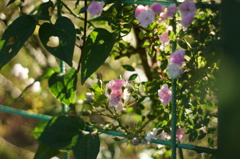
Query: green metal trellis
x=174 y=145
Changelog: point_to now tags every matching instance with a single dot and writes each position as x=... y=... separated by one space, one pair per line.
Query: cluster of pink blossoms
x=95 y=8
x=187 y=10
x=174 y=71
x=175 y=66
x=116 y=93
x=146 y=15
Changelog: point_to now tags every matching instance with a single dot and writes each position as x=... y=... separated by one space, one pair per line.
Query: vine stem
x=84 y=35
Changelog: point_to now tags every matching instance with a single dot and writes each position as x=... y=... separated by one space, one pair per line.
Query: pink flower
x=165 y=94
x=114 y=85
x=174 y=70
x=115 y=99
x=164 y=38
x=145 y=18
x=95 y=8
x=171 y=10
x=156 y=8
x=179 y=135
x=187 y=7
x=19 y=71
x=115 y=93
x=139 y=9
x=177 y=57
x=187 y=20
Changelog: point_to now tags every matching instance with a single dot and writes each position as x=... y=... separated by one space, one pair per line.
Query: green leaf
x=83 y=9
x=45 y=152
x=43 y=11
x=63 y=86
x=61 y=132
x=182 y=44
x=48 y=73
x=39 y=128
x=133 y=77
x=65 y=31
x=96 y=50
x=128 y=67
x=14 y=37
x=10 y=2
x=87 y=146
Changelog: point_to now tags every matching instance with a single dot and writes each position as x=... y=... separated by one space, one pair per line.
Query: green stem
x=84 y=35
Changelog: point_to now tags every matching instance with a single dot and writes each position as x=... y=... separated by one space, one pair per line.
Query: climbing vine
x=152 y=49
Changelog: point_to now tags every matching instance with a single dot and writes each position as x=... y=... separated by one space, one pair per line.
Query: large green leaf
x=64 y=30
x=45 y=152
x=87 y=146
x=63 y=86
x=15 y=36
x=96 y=50
x=61 y=132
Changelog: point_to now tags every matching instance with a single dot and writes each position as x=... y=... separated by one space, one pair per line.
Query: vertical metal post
x=174 y=120
x=173 y=102
x=62 y=70
x=64 y=106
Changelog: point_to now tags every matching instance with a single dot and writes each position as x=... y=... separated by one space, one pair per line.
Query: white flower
x=174 y=70
x=19 y=71
x=149 y=136
x=35 y=87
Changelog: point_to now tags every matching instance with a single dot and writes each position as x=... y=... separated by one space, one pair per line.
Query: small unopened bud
x=124 y=111
x=89 y=96
x=135 y=141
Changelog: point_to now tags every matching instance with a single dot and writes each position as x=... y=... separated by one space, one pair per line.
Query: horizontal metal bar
x=24 y=113
x=20 y=112
x=145 y=2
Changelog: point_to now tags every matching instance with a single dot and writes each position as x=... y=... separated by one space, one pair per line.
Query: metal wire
x=25 y=113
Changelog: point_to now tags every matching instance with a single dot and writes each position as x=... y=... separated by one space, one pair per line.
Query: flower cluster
x=19 y=71
x=147 y=14
x=116 y=93
x=95 y=8
x=22 y=73
x=187 y=10
x=175 y=66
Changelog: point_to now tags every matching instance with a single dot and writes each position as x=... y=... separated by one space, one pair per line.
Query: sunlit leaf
x=96 y=50
x=128 y=67
x=133 y=77
x=63 y=86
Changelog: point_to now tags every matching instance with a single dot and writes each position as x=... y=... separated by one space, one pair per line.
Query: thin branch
x=84 y=35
